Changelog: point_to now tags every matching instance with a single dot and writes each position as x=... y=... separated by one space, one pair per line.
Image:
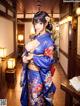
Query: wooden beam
x=25 y=19
x=14 y=2
x=30 y=19
x=6 y=16
x=7 y=5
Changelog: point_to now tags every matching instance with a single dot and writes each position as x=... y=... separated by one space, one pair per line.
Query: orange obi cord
x=52 y=69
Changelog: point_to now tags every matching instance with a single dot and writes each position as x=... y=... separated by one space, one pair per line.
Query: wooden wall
x=73 y=39
x=78 y=47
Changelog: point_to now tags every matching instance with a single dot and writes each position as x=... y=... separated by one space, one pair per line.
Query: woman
x=36 y=80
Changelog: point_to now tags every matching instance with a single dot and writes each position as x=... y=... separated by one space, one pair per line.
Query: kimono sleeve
x=23 y=77
x=46 y=60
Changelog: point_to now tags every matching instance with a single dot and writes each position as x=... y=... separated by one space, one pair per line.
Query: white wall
x=28 y=26
x=64 y=63
x=6 y=35
x=64 y=37
x=64 y=46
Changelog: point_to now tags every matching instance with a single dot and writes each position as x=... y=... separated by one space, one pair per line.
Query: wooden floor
x=59 y=97
x=12 y=91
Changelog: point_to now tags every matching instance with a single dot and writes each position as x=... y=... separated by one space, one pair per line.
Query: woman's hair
x=43 y=17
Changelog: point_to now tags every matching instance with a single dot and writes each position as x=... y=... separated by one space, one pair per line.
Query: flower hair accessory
x=47 y=18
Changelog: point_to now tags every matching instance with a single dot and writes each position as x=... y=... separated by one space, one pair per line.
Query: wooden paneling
x=77 y=65
x=20 y=45
x=32 y=6
x=20 y=28
x=64 y=53
x=77 y=47
x=10 y=10
x=65 y=9
x=6 y=4
x=6 y=16
x=25 y=19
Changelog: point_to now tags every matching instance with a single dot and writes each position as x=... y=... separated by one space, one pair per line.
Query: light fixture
x=78 y=11
x=57 y=28
x=74 y=23
x=0 y=62
x=67 y=19
x=32 y=31
x=20 y=37
x=11 y=63
x=3 y=53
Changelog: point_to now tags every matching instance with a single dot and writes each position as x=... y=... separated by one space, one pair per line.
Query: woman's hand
x=30 y=56
x=27 y=58
x=31 y=46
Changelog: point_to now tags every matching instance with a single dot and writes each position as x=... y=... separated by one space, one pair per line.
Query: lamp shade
x=3 y=52
x=11 y=63
x=20 y=37
x=32 y=31
x=67 y=19
x=78 y=11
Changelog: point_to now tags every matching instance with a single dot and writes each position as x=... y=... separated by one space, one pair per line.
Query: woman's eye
x=41 y=23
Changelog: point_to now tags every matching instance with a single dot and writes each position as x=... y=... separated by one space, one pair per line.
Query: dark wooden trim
x=78 y=57
x=5 y=3
x=65 y=9
x=15 y=27
x=14 y=34
x=56 y=19
x=70 y=93
x=30 y=19
x=77 y=71
x=64 y=53
x=11 y=55
x=6 y=16
x=25 y=19
x=72 y=52
x=71 y=8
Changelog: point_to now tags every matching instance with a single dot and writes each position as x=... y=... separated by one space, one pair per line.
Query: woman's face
x=39 y=27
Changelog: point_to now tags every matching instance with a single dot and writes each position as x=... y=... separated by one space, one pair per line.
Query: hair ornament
x=47 y=18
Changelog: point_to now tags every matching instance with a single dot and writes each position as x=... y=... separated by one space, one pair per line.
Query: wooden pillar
x=71 y=52
x=15 y=28
x=68 y=100
x=71 y=56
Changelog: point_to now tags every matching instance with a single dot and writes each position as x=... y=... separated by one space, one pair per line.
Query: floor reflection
x=11 y=90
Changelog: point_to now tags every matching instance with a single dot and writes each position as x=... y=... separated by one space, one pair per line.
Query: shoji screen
x=28 y=26
x=78 y=37
x=64 y=45
x=6 y=35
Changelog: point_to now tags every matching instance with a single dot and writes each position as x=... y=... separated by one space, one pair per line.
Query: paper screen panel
x=78 y=37
x=64 y=37
x=6 y=35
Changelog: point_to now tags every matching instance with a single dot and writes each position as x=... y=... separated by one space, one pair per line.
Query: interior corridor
x=12 y=90
x=16 y=29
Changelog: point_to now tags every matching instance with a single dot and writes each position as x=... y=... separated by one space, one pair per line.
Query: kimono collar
x=47 y=34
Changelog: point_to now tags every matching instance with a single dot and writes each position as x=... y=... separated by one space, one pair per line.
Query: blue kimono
x=37 y=86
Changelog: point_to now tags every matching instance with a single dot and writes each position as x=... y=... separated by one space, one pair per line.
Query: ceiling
x=32 y=6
